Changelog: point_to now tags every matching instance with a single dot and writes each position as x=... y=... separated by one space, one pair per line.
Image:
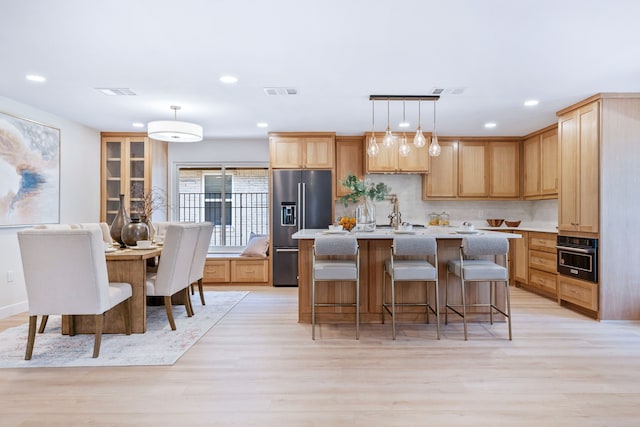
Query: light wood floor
x=259 y=367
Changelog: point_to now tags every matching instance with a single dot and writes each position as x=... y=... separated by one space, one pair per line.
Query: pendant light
x=174 y=130
x=387 y=141
x=373 y=149
x=404 y=148
x=419 y=140
x=434 y=147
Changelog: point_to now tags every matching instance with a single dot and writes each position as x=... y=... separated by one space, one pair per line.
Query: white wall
x=79 y=194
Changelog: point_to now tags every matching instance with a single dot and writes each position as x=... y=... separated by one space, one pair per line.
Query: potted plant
x=364 y=193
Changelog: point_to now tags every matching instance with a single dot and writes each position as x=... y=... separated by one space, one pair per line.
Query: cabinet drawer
x=584 y=294
x=216 y=271
x=543 y=280
x=250 y=271
x=545 y=242
x=543 y=261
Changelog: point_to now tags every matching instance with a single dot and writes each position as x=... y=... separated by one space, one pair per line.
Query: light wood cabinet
x=541 y=164
x=249 y=271
x=227 y=270
x=298 y=151
x=388 y=159
x=521 y=258
x=127 y=167
x=349 y=160
x=579 y=292
x=578 y=200
x=442 y=180
x=474 y=169
x=541 y=265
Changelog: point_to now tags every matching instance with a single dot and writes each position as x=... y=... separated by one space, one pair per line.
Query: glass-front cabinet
x=126 y=169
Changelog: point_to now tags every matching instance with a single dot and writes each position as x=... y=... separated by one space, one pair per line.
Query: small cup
x=144 y=243
x=406 y=227
x=335 y=228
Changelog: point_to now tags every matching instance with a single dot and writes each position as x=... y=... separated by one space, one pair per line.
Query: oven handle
x=579 y=250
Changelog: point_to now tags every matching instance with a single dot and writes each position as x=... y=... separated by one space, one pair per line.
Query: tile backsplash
x=408 y=188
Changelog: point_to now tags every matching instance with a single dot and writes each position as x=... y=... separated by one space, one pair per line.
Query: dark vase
x=152 y=231
x=134 y=231
x=122 y=218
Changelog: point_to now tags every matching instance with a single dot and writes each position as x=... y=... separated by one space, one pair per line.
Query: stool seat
x=336 y=270
x=412 y=269
x=478 y=269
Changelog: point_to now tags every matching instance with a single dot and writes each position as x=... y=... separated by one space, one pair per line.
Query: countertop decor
x=361 y=190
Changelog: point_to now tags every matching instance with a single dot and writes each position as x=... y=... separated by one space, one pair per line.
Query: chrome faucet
x=395 y=217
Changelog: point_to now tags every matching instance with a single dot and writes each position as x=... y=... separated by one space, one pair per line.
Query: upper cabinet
x=541 y=164
x=128 y=167
x=349 y=160
x=388 y=159
x=302 y=151
x=578 y=138
x=473 y=168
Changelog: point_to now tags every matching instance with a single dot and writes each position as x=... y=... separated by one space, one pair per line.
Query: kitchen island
x=374 y=250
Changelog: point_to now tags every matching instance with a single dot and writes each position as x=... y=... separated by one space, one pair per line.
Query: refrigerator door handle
x=286 y=250
x=300 y=208
x=304 y=206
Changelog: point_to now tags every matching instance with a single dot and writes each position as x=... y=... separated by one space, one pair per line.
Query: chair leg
x=508 y=306
x=393 y=308
x=384 y=294
x=437 y=310
x=464 y=309
x=31 y=338
x=358 y=309
x=201 y=292
x=192 y=290
x=126 y=315
x=313 y=309
x=43 y=323
x=446 y=299
x=492 y=300
x=98 y=339
x=167 y=306
x=187 y=303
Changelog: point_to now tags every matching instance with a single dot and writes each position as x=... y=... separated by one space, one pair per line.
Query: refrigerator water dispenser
x=288 y=213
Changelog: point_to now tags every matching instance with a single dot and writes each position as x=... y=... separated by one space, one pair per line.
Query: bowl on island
x=495 y=222
x=512 y=223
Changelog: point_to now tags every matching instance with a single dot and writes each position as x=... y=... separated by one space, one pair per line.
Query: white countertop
x=388 y=233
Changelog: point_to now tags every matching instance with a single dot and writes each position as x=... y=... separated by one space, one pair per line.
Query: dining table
x=127 y=265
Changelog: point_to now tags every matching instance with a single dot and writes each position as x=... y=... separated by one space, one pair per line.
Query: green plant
x=361 y=189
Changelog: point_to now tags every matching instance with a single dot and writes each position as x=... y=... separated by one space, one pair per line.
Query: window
x=235 y=200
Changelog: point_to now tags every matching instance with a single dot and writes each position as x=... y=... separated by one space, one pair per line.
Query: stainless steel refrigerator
x=301 y=200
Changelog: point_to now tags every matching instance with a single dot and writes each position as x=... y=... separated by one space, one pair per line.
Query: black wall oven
x=578 y=257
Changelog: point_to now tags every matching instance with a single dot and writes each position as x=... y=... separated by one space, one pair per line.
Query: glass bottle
x=443 y=219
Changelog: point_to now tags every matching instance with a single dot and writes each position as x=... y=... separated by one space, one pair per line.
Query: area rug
x=158 y=346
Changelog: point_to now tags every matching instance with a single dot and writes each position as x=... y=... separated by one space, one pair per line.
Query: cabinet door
x=589 y=168
x=386 y=160
x=568 y=171
x=138 y=173
x=318 y=152
x=532 y=166
x=473 y=168
x=285 y=152
x=442 y=180
x=549 y=162
x=349 y=160
x=416 y=161
x=114 y=162
x=504 y=161
x=521 y=258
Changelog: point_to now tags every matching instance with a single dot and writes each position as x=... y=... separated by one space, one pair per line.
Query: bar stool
x=480 y=270
x=325 y=269
x=412 y=268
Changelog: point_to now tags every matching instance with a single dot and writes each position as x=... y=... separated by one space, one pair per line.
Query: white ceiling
x=334 y=52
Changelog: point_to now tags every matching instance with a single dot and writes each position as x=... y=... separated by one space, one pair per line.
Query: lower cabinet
x=540 y=265
x=579 y=292
x=230 y=270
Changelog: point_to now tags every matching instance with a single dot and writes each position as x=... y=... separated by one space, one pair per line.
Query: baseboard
x=10 y=310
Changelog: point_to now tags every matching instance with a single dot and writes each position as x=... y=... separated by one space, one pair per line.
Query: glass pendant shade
x=434 y=147
x=373 y=149
x=388 y=141
x=404 y=148
x=419 y=140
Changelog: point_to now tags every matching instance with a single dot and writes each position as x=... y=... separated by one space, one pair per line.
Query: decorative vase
x=366 y=216
x=122 y=218
x=134 y=231
x=152 y=231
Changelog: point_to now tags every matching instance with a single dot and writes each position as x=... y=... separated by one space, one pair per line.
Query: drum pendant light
x=174 y=130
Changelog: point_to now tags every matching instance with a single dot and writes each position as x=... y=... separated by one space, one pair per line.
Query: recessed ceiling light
x=35 y=78
x=229 y=79
x=262 y=125
x=490 y=125
x=137 y=125
x=531 y=102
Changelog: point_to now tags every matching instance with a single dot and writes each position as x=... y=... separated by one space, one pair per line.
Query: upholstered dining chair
x=408 y=263
x=174 y=266
x=65 y=273
x=200 y=257
x=473 y=267
x=335 y=258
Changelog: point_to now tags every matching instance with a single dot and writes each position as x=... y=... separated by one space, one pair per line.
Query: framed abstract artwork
x=29 y=172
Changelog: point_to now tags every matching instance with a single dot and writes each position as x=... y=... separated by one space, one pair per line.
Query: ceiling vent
x=278 y=91
x=116 y=91
x=448 y=91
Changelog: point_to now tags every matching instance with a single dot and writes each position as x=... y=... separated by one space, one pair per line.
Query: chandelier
x=174 y=130
x=389 y=139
